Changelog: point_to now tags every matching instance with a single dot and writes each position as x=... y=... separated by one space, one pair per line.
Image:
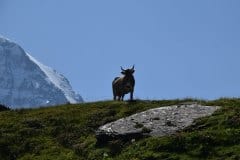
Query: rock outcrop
x=154 y=122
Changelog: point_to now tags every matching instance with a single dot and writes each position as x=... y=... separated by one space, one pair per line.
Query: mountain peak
x=25 y=82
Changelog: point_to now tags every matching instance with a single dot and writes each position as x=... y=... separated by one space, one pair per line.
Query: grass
x=67 y=132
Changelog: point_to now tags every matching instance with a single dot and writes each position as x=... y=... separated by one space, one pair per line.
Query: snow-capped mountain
x=25 y=82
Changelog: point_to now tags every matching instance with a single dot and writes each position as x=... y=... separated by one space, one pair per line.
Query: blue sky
x=180 y=48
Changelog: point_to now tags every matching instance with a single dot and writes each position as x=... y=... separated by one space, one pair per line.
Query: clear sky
x=180 y=48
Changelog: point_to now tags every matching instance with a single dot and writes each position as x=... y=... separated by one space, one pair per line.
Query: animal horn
x=132 y=67
x=122 y=69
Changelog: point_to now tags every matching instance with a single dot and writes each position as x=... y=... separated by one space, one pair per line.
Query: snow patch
x=57 y=79
x=37 y=85
x=25 y=82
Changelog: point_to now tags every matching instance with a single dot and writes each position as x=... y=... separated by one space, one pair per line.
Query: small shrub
x=138 y=125
x=115 y=146
x=33 y=123
x=146 y=130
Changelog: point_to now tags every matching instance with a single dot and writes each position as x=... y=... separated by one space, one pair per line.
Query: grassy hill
x=68 y=132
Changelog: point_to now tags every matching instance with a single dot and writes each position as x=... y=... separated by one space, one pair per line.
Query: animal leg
x=114 y=94
x=122 y=97
x=131 y=96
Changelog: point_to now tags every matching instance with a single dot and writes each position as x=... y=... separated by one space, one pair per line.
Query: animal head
x=128 y=72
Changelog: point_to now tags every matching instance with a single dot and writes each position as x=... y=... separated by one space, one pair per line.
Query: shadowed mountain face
x=25 y=82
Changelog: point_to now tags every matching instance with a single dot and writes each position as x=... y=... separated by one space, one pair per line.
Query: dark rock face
x=154 y=122
x=104 y=137
x=3 y=108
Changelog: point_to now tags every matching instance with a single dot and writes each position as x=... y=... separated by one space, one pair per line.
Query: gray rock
x=154 y=122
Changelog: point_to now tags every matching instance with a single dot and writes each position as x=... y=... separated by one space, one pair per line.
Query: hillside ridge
x=68 y=132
